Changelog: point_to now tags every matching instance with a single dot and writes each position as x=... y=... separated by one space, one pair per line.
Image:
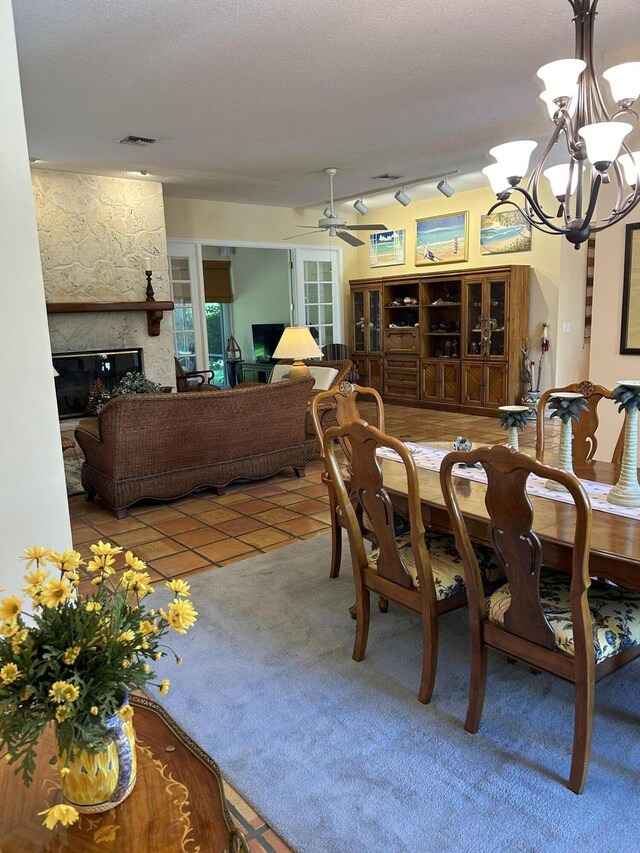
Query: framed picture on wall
x=630 y=332
x=505 y=231
x=387 y=248
x=442 y=239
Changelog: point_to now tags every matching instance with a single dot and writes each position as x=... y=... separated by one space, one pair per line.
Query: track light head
x=402 y=197
x=445 y=188
x=361 y=207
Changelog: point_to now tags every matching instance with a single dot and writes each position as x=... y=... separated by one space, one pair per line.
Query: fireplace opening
x=77 y=371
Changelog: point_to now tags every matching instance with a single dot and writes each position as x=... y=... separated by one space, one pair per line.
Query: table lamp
x=297 y=343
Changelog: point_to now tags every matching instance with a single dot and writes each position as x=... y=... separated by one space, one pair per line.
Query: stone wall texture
x=95 y=234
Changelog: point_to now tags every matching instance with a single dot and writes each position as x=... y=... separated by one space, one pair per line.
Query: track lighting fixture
x=445 y=188
x=361 y=207
x=402 y=197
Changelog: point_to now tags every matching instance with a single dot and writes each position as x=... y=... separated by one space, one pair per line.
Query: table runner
x=431 y=457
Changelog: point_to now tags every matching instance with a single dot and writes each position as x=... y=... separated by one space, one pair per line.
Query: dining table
x=615 y=538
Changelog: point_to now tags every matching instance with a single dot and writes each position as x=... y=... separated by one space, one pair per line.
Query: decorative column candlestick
x=513 y=418
x=567 y=406
x=626 y=492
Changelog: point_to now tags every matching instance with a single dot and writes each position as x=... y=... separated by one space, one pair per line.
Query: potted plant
x=135 y=383
x=67 y=659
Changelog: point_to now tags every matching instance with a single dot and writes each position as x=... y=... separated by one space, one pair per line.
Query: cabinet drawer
x=401 y=363
x=401 y=340
x=400 y=390
x=410 y=376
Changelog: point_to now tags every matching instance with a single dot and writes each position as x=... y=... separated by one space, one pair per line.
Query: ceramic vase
x=99 y=781
x=626 y=492
x=530 y=399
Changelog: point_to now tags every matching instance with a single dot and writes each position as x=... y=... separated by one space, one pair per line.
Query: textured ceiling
x=251 y=99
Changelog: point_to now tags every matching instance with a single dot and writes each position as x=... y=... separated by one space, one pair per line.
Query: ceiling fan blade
x=308 y=226
x=349 y=238
x=367 y=227
x=297 y=236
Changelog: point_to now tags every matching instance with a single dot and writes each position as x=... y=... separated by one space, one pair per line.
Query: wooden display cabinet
x=448 y=340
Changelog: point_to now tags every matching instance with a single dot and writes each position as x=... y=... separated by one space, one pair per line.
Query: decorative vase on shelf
x=567 y=406
x=626 y=492
x=513 y=418
x=99 y=781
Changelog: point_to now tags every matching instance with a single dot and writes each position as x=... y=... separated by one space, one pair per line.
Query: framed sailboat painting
x=442 y=239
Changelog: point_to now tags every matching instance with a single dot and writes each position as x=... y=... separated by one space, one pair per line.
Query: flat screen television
x=265 y=339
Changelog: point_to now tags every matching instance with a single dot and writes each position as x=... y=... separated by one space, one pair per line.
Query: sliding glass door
x=318 y=294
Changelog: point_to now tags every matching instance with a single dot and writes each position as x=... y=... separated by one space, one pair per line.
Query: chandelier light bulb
x=631 y=166
x=561 y=77
x=603 y=141
x=558 y=177
x=513 y=157
x=624 y=81
x=496 y=176
x=553 y=107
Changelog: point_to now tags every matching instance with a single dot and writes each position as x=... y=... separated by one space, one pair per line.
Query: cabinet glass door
x=473 y=340
x=496 y=313
x=359 y=321
x=375 y=341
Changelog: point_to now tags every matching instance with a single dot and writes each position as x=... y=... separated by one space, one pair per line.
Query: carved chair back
x=584 y=429
x=367 y=492
x=517 y=547
x=339 y=405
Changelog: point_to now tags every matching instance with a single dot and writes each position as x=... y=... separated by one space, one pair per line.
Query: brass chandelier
x=594 y=138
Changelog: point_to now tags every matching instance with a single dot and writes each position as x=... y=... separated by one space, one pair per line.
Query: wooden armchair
x=195 y=380
x=555 y=621
x=399 y=568
x=584 y=429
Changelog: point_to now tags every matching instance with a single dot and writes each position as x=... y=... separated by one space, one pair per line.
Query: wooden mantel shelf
x=153 y=309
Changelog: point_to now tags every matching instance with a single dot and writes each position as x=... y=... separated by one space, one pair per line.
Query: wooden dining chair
x=584 y=429
x=559 y=622
x=339 y=406
x=410 y=569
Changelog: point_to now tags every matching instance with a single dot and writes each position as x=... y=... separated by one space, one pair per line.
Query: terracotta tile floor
x=204 y=531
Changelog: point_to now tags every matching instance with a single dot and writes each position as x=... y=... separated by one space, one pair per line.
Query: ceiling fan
x=336 y=225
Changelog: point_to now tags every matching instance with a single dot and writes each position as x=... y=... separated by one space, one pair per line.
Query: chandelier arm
x=532 y=183
x=538 y=211
x=595 y=190
x=537 y=225
x=630 y=203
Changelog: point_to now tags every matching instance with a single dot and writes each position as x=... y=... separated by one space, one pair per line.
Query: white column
x=33 y=505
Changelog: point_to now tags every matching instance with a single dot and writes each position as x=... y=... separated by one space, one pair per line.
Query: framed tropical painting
x=386 y=248
x=505 y=231
x=442 y=239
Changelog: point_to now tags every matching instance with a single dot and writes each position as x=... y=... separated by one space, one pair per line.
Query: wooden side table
x=176 y=806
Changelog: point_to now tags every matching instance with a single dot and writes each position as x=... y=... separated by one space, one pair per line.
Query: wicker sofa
x=164 y=446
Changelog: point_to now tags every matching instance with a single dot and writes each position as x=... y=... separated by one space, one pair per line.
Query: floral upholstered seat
x=446 y=563
x=615 y=613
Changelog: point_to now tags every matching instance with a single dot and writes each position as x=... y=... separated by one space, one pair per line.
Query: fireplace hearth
x=77 y=372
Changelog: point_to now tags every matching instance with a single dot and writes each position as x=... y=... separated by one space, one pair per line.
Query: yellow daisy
x=9 y=673
x=36 y=577
x=10 y=608
x=62 y=713
x=105 y=549
x=178 y=586
x=93 y=606
x=134 y=562
x=125 y=713
x=66 y=815
x=102 y=563
x=138 y=582
x=182 y=615
x=94 y=710
x=67 y=561
x=10 y=628
x=71 y=654
x=55 y=592
x=63 y=691
x=36 y=554
x=18 y=639
x=164 y=687
x=126 y=636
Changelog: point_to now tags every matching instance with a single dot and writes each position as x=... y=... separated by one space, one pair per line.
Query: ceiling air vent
x=141 y=141
x=386 y=177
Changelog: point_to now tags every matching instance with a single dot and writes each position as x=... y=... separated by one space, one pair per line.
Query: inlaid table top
x=615 y=540
x=176 y=806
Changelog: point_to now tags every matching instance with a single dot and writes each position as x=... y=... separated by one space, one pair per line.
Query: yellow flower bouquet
x=67 y=658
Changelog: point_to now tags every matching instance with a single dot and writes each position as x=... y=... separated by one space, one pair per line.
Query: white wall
x=34 y=506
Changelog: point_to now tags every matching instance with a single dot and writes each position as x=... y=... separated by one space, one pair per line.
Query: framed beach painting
x=442 y=239
x=505 y=231
x=630 y=333
x=386 y=248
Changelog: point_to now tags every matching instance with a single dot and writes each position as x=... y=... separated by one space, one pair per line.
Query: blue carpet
x=340 y=756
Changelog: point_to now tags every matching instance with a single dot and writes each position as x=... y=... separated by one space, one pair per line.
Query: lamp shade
x=604 y=139
x=560 y=77
x=513 y=157
x=496 y=176
x=553 y=107
x=297 y=342
x=558 y=177
x=624 y=81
